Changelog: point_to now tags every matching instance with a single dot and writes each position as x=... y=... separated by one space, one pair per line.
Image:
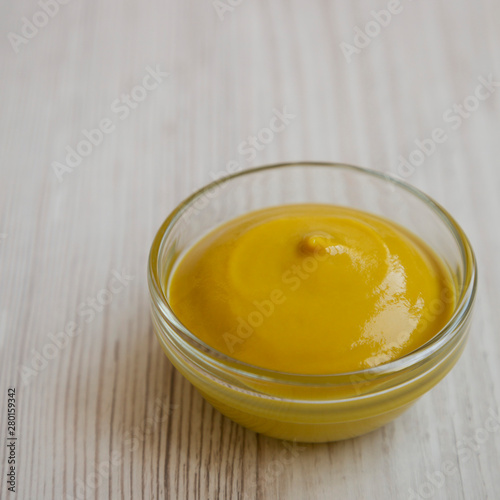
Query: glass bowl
x=311 y=408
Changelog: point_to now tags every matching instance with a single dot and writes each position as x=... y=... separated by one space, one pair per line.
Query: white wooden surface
x=107 y=416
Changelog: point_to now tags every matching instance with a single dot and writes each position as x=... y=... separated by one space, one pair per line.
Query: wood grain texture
x=107 y=416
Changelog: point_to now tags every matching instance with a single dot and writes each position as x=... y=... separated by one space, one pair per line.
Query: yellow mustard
x=312 y=289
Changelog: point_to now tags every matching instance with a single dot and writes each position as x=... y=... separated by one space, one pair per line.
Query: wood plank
x=109 y=410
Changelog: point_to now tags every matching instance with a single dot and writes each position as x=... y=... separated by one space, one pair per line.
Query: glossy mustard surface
x=312 y=289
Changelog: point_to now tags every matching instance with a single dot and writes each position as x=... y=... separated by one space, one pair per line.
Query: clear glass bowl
x=311 y=408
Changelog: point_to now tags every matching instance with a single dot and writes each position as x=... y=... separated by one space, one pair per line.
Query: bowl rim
x=439 y=341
